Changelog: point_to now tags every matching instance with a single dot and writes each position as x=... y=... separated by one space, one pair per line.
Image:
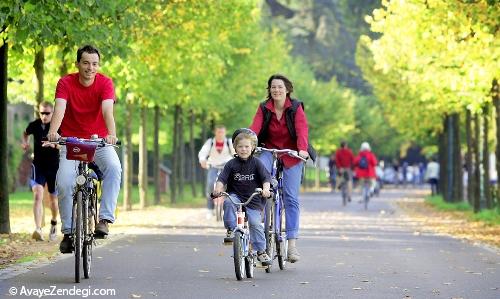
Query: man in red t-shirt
x=84 y=106
x=344 y=160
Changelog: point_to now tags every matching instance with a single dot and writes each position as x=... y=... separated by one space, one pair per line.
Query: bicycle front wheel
x=78 y=234
x=88 y=238
x=269 y=232
x=283 y=244
x=238 y=256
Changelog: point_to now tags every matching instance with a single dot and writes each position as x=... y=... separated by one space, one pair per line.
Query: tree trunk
x=156 y=155
x=192 y=153
x=442 y=163
x=204 y=136
x=496 y=102
x=175 y=160
x=477 y=165
x=457 y=184
x=486 y=157
x=128 y=158
x=182 y=156
x=4 y=191
x=38 y=65
x=143 y=160
x=63 y=68
x=468 y=158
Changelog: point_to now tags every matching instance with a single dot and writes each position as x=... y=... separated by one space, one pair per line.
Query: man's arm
x=57 y=117
x=107 y=113
x=25 y=144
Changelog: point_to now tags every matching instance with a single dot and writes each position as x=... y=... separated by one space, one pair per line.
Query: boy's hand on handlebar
x=266 y=193
x=214 y=194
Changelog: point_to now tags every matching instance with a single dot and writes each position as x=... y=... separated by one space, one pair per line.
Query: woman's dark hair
x=87 y=49
x=288 y=85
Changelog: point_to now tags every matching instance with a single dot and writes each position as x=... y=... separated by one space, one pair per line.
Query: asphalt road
x=346 y=253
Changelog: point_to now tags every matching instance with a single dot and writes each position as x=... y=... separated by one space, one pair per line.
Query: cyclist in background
x=43 y=170
x=344 y=159
x=272 y=123
x=212 y=156
x=84 y=106
x=365 y=163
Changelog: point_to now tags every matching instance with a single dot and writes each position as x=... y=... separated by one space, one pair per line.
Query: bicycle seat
x=96 y=171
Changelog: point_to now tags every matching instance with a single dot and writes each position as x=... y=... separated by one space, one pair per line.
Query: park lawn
x=490 y=217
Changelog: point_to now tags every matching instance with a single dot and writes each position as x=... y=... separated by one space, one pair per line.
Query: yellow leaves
x=189 y=26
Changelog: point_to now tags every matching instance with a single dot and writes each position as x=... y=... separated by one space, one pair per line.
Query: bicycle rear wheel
x=239 y=259
x=78 y=235
x=218 y=209
x=88 y=230
x=269 y=232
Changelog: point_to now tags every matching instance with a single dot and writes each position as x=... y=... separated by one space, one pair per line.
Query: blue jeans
x=257 y=237
x=291 y=189
x=108 y=162
x=212 y=173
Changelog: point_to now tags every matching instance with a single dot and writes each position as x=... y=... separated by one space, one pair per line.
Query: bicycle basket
x=80 y=151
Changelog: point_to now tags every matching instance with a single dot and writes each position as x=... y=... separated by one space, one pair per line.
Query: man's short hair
x=87 y=49
x=46 y=104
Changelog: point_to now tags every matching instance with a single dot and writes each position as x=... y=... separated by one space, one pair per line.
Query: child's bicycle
x=274 y=220
x=85 y=198
x=244 y=259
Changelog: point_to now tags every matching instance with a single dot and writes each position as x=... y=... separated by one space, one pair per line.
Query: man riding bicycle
x=84 y=106
x=344 y=160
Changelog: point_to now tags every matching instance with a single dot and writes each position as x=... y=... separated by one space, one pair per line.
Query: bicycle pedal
x=100 y=236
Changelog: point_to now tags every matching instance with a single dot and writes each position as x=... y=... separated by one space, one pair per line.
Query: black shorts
x=40 y=176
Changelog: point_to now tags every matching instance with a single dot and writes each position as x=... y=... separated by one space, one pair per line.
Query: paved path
x=346 y=253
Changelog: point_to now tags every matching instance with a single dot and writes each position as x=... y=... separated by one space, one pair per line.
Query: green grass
x=491 y=217
x=23 y=200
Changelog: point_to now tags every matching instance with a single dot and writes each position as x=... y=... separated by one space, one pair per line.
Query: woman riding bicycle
x=365 y=163
x=276 y=130
x=241 y=176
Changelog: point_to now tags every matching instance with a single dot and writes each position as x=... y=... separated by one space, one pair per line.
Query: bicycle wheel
x=282 y=246
x=78 y=235
x=249 y=265
x=344 y=194
x=366 y=195
x=269 y=232
x=88 y=237
x=239 y=259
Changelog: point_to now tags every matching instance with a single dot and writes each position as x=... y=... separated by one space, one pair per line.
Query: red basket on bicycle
x=80 y=151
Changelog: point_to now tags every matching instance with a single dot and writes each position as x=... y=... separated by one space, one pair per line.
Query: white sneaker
x=264 y=258
x=38 y=235
x=53 y=232
x=293 y=254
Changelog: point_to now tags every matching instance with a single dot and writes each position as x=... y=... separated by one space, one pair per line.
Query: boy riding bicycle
x=241 y=176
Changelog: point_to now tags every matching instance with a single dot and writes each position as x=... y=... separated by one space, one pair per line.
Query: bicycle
x=244 y=259
x=274 y=219
x=344 y=185
x=366 y=191
x=85 y=198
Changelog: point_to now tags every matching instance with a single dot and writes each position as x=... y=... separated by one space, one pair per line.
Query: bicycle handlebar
x=289 y=152
x=258 y=191
x=101 y=142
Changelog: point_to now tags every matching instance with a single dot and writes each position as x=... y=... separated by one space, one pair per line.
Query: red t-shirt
x=344 y=158
x=83 y=116
x=278 y=135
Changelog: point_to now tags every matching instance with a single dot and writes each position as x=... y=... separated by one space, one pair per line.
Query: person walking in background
x=43 y=170
x=432 y=175
x=332 y=171
x=280 y=123
x=365 y=163
x=213 y=155
x=344 y=160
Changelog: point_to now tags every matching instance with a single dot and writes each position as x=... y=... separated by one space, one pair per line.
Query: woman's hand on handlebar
x=53 y=136
x=111 y=139
x=304 y=154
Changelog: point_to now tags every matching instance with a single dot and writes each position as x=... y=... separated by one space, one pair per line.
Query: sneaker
x=37 y=235
x=263 y=258
x=209 y=214
x=53 y=230
x=101 y=229
x=293 y=254
x=228 y=239
x=66 y=245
